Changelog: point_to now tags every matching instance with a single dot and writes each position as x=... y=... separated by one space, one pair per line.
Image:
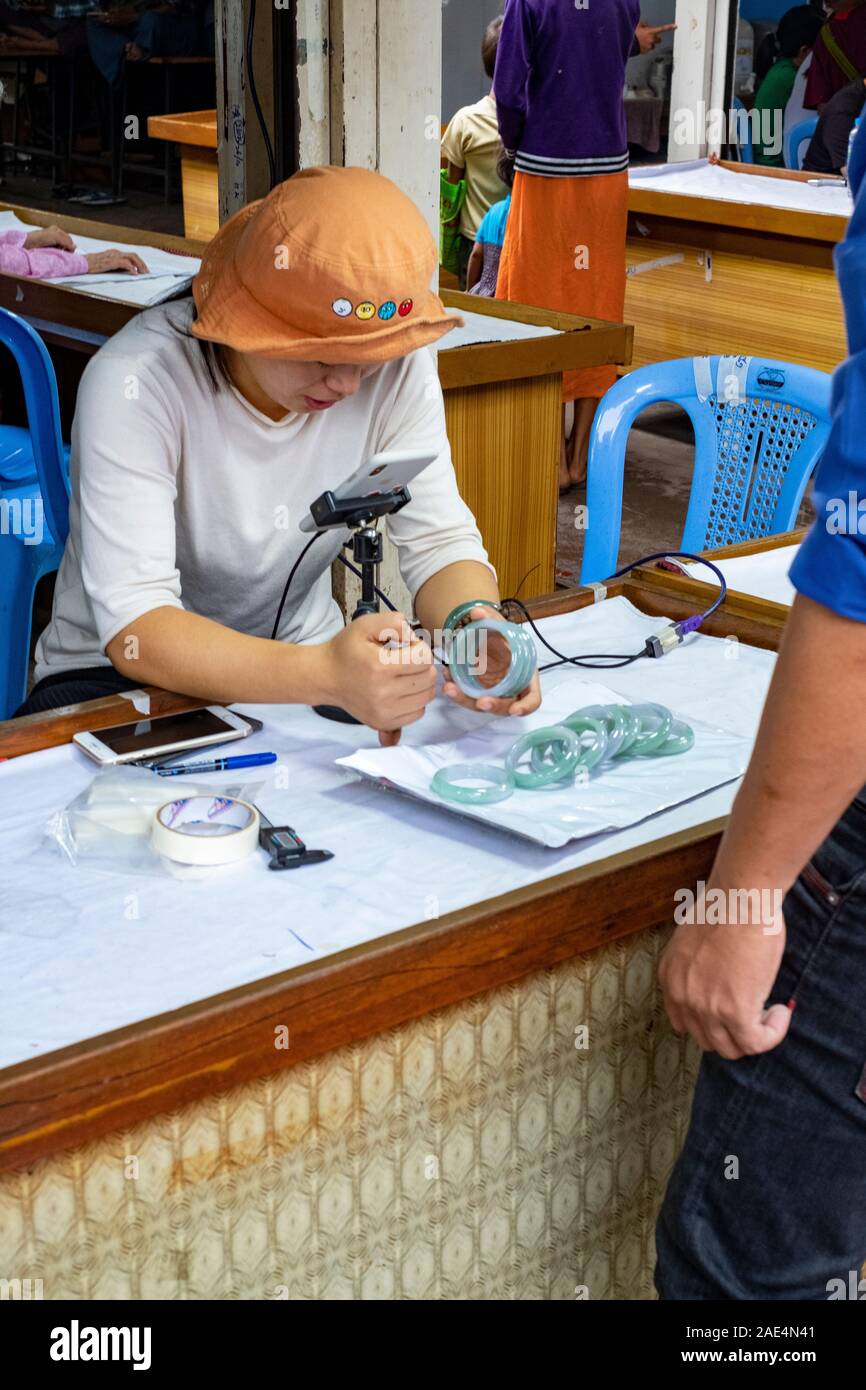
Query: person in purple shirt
x=558 y=83
x=768 y=1198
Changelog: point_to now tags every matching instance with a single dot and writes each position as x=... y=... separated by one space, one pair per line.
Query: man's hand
x=498 y=659
x=650 y=36
x=49 y=236
x=716 y=981
x=98 y=262
x=379 y=671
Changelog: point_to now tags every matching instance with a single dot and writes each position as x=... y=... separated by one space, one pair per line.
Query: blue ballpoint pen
x=219 y=765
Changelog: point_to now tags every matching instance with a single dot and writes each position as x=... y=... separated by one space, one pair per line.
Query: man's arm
x=808 y=762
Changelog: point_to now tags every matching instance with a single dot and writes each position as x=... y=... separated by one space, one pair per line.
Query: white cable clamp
x=140 y=700
x=599 y=591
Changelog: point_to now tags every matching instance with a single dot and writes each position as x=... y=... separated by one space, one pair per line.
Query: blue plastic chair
x=752 y=460
x=745 y=148
x=28 y=507
x=796 y=141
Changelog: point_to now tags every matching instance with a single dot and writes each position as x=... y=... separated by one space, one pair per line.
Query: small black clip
x=287 y=849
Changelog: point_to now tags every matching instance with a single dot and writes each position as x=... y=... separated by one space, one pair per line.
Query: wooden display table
x=195 y=134
x=754 y=278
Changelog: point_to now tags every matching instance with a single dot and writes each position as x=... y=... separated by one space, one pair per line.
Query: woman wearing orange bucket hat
x=203 y=432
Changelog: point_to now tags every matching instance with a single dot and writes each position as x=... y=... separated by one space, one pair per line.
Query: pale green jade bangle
x=632 y=730
x=595 y=751
x=616 y=721
x=461 y=659
x=554 y=770
x=456 y=616
x=680 y=739
x=446 y=783
x=655 y=725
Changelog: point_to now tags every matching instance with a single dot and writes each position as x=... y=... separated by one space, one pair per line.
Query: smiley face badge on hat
x=333 y=266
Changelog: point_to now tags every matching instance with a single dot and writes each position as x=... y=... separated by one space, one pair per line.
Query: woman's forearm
x=184 y=652
x=457 y=583
x=809 y=761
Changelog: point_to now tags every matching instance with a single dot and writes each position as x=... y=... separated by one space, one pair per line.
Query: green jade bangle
x=554 y=769
x=462 y=657
x=616 y=722
x=680 y=739
x=655 y=726
x=591 y=754
x=446 y=784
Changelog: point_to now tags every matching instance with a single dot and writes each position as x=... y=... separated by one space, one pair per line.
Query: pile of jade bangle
x=587 y=740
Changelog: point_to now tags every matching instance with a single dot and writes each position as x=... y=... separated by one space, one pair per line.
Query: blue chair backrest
x=760 y=427
x=43 y=418
x=743 y=132
x=796 y=141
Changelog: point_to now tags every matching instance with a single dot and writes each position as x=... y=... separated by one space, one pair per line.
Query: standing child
x=471 y=147
x=483 y=270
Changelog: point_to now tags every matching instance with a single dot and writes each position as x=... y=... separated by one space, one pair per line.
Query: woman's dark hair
x=212 y=354
x=489 y=45
x=505 y=167
x=798 y=28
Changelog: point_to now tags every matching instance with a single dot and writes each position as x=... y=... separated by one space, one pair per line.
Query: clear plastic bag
x=108 y=826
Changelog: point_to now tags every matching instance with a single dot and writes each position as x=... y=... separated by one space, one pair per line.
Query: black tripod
x=359 y=513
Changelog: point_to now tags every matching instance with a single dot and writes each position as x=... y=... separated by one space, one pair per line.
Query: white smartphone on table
x=381 y=473
x=167 y=733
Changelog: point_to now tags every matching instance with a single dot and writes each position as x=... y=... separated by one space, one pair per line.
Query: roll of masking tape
x=205 y=830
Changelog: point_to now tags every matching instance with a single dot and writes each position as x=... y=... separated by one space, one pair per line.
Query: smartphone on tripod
x=382 y=474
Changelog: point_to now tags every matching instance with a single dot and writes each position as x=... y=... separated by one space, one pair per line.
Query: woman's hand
x=49 y=236
x=498 y=658
x=379 y=671
x=98 y=262
x=716 y=981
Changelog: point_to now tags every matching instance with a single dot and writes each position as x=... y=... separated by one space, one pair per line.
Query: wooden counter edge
x=755 y=217
x=112 y=1082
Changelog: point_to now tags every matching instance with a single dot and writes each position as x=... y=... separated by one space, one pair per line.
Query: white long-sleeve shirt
x=188 y=497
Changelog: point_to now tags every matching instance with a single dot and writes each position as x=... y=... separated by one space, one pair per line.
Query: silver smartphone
x=381 y=473
x=167 y=733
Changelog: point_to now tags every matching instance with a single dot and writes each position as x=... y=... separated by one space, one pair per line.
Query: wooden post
x=243 y=164
x=385 y=106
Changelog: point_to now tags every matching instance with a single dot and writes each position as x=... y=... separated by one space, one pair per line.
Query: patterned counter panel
x=513 y=1147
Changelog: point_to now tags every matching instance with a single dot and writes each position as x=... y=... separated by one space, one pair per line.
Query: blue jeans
x=791 y=1122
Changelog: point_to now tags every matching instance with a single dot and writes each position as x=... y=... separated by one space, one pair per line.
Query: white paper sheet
x=699 y=179
x=764 y=575
x=177 y=271
x=483 y=328
x=616 y=795
x=84 y=952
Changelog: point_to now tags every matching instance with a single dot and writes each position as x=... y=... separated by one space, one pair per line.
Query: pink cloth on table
x=43 y=263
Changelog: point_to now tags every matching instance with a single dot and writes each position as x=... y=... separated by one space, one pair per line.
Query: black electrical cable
x=251 y=78
x=596 y=661
x=292 y=572
x=377 y=591
x=593 y=661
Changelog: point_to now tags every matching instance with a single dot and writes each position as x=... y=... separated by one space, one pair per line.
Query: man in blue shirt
x=768 y=1198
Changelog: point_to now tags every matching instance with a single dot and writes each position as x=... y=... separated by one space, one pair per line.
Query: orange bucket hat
x=334 y=265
